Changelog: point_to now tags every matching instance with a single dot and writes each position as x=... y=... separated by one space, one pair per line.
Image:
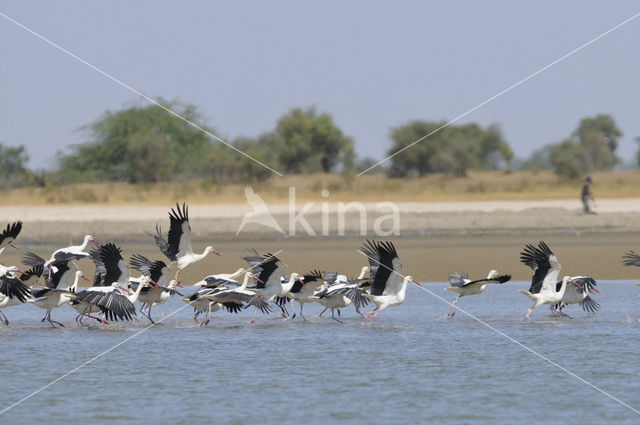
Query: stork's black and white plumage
x=74 y=252
x=57 y=274
x=110 y=266
x=268 y=269
x=11 y=289
x=545 y=268
x=236 y=298
x=57 y=292
x=463 y=286
x=114 y=301
x=154 y=295
x=304 y=290
x=9 y=235
x=156 y=270
x=388 y=287
x=631 y=259
x=214 y=279
x=177 y=246
x=580 y=294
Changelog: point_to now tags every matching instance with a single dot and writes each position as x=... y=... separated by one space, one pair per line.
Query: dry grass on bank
x=477 y=186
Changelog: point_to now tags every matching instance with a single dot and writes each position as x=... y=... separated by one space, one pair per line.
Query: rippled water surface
x=412 y=365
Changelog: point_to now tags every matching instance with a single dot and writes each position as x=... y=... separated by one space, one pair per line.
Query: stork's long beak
x=85 y=278
x=96 y=242
x=417 y=284
x=595 y=290
x=179 y=285
x=575 y=283
x=14 y=247
x=217 y=253
x=257 y=278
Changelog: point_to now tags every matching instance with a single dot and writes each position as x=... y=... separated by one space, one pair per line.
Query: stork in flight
x=10 y=234
x=545 y=268
x=177 y=246
x=462 y=285
x=388 y=286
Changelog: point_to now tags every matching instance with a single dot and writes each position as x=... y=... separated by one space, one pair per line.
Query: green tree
x=140 y=144
x=13 y=170
x=569 y=158
x=308 y=142
x=452 y=150
x=599 y=135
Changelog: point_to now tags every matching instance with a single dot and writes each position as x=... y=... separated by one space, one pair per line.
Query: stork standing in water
x=545 y=268
x=388 y=286
x=110 y=290
x=463 y=286
x=10 y=234
x=53 y=296
x=579 y=294
x=303 y=290
x=339 y=292
x=177 y=247
x=115 y=301
x=236 y=298
x=269 y=270
x=155 y=295
x=11 y=289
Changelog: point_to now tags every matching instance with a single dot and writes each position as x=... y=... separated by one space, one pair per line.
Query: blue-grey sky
x=372 y=65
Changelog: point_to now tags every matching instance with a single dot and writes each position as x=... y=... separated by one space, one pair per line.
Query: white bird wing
x=549 y=282
x=395 y=278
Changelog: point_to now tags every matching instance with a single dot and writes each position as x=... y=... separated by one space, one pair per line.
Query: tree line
x=146 y=144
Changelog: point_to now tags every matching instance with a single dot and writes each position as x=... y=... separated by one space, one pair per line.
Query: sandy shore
x=415 y=218
x=434 y=239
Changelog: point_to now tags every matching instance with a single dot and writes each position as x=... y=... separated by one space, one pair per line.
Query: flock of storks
x=262 y=285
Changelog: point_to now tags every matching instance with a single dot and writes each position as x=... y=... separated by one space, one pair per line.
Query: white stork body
x=545 y=268
x=221 y=276
x=12 y=291
x=388 y=288
x=178 y=247
x=235 y=298
x=580 y=293
x=74 y=252
x=463 y=286
x=150 y=296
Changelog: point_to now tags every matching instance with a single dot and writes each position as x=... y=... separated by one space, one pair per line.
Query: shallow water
x=412 y=365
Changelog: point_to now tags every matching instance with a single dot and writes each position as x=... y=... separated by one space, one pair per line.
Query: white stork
x=236 y=298
x=115 y=301
x=388 y=287
x=10 y=234
x=463 y=286
x=155 y=295
x=304 y=290
x=75 y=252
x=177 y=247
x=207 y=280
x=545 y=268
x=580 y=294
x=12 y=290
x=53 y=296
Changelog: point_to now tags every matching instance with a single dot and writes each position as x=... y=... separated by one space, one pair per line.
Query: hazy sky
x=372 y=66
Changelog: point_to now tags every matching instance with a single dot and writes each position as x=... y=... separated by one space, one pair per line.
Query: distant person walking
x=587 y=195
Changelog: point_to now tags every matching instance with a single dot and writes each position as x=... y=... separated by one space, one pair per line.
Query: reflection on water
x=412 y=366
